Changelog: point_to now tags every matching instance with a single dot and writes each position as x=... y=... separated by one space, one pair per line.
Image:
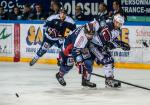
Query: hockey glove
x=125 y=46
x=109 y=45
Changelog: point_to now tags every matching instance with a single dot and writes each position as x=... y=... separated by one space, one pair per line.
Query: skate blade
x=107 y=86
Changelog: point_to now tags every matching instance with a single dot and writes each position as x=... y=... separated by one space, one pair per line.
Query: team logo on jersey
x=34 y=36
x=106 y=34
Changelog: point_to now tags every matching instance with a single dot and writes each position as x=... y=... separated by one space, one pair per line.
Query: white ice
x=37 y=85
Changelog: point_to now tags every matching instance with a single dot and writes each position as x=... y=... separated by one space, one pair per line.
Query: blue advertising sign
x=136 y=7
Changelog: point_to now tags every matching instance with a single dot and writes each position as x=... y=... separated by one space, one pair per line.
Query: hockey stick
x=127 y=83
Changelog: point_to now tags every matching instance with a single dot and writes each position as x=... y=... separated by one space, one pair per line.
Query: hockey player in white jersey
x=76 y=44
x=54 y=31
x=105 y=40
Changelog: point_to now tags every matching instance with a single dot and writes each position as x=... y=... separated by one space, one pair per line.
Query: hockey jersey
x=77 y=40
x=57 y=27
x=105 y=34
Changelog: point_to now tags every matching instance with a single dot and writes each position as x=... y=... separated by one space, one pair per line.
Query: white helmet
x=119 y=18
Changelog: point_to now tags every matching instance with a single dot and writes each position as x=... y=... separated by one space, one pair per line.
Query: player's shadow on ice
x=81 y=91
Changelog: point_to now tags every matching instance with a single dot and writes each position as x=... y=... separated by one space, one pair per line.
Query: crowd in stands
x=37 y=13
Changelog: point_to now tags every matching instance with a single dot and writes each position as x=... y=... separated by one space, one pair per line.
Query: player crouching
x=75 y=44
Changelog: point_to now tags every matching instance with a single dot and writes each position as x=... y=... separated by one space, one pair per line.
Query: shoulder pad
x=69 y=20
x=50 y=18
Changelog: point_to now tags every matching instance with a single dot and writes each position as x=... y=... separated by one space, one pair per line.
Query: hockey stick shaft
x=127 y=83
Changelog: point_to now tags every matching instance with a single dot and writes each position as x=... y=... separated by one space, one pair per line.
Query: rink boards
x=19 y=41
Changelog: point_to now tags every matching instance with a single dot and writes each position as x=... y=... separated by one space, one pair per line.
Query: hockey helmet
x=119 y=18
x=89 y=29
x=63 y=10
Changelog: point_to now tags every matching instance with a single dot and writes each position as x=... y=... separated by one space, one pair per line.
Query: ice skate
x=110 y=82
x=88 y=83
x=33 y=61
x=60 y=79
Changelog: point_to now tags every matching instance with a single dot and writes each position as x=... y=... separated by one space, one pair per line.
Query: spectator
x=3 y=15
x=102 y=14
x=38 y=14
x=15 y=14
x=79 y=14
x=26 y=12
x=117 y=9
x=54 y=7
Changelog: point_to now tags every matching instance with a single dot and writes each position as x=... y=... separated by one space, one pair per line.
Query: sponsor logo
x=142 y=32
x=34 y=36
x=80 y=41
x=90 y=8
x=120 y=53
x=143 y=35
x=10 y=4
x=3 y=49
x=124 y=36
x=4 y=35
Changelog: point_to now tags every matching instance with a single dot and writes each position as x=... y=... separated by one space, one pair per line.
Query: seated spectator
x=26 y=12
x=102 y=14
x=3 y=15
x=117 y=9
x=54 y=7
x=79 y=14
x=15 y=14
x=38 y=14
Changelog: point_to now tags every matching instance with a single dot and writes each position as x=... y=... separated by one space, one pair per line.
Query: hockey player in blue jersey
x=76 y=49
x=105 y=40
x=54 y=31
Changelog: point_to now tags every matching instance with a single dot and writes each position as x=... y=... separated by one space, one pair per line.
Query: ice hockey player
x=103 y=42
x=76 y=45
x=54 y=31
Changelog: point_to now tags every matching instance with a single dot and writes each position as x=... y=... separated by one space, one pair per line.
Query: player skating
x=105 y=40
x=76 y=45
x=54 y=32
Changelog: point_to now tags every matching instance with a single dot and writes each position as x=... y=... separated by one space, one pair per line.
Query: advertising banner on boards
x=31 y=38
x=7 y=40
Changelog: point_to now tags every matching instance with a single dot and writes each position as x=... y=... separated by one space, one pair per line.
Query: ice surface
x=37 y=85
